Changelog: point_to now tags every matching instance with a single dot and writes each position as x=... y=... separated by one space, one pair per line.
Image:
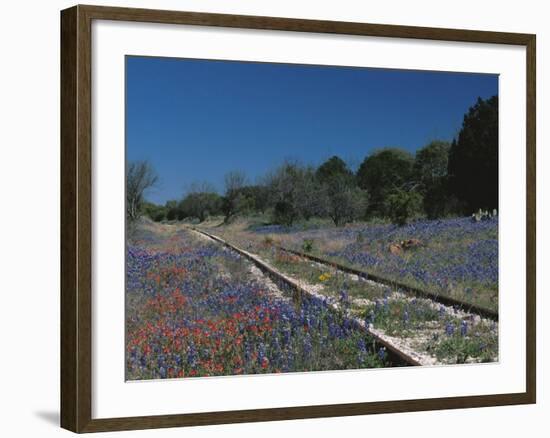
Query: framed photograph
x=270 y=218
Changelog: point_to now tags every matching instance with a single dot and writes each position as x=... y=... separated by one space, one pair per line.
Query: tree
x=310 y=195
x=430 y=175
x=200 y=202
x=234 y=200
x=257 y=198
x=292 y=193
x=331 y=168
x=140 y=176
x=153 y=211
x=439 y=201
x=473 y=157
x=338 y=196
x=345 y=202
x=383 y=172
x=172 y=210
x=431 y=163
x=402 y=205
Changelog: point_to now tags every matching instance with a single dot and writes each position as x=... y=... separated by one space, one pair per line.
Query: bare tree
x=234 y=180
x=140 y=176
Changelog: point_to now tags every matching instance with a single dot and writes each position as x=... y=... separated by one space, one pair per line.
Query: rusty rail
x=394 y=352
x=448 y=301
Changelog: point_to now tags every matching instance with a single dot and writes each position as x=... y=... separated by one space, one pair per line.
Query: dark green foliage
x=331 y=168
x=294 y=193
x=153 y=211
x=307 y=245
x=345 y=201
x=431 y=179
x=340 y=198
x=284 y=213
x=257 y=196
x=441 y=180
x=383 y=172
x=172 y=210
x=402 y=205
x=244 y=200
x=439 y=201
x=473 y=158
x=234 y=201
x=431 y=163
x=200 y=205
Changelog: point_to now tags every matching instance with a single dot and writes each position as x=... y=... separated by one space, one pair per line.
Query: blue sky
x=195 y=120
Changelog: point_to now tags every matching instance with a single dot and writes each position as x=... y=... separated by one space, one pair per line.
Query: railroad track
x=398 y=355
x=447 y=301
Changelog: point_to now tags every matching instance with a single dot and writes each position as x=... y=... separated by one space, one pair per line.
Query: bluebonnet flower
x=191 y=355
x=190 y=321
x=286 y=335
x=463 y=328
x=450 y=329
x=307 y=345
x=344 y=298
x=472 y=257
x=261 y=353
x=362 y=354
x=369 y=319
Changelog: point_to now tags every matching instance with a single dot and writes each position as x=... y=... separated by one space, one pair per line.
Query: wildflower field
x=196 y=309
x=457 y=258
x=252 y=248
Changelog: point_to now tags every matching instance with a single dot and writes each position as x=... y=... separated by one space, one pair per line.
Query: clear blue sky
x=195 y=120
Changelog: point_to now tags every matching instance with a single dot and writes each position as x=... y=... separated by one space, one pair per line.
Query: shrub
x=403 y=205
x=307 y=245
x=284 y=213
x=381 y=172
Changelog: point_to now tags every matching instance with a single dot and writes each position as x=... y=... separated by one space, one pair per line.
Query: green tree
x=402 y=205
x=200 y=202
x=234 y=201
x=345 y=202
x=331 y=168
x=431 y=163
x=431 y=177
x=154 y=211
x=293 y=193
x=257 y=198
x=473 y=157
x=383 y=172
x=173 y=211
x=338 y=196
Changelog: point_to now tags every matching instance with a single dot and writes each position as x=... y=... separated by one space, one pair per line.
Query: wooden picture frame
x=76 y=217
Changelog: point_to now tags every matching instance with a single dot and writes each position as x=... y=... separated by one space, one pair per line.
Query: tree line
x=442 y=179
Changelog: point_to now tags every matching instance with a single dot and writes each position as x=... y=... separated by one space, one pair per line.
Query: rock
x=404 y=245
x=396 y=249
x=411 y=243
